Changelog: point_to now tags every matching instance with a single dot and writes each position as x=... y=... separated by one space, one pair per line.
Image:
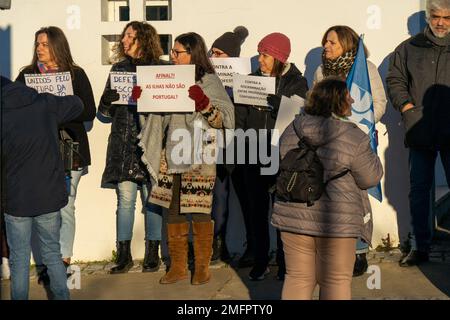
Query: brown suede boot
x=177 y=234
x=203 y=238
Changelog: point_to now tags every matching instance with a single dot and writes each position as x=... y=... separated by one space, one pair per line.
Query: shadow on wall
x=312 y=61
x=396 y=187
x=5 y=52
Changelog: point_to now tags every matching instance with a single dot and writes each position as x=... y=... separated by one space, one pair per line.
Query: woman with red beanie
x=274 y=50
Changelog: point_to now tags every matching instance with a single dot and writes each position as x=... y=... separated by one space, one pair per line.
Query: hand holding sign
x=136 y=93
x=201 y=100
x=109 y=96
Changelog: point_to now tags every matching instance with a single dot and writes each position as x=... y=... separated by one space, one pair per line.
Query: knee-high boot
x=177 y=235
x=203 y=238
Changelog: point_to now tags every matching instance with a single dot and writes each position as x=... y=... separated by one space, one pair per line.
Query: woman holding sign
x=254 y=196
x=124 y=170
x=52 y=61
x=340 y=45
x=188 y=187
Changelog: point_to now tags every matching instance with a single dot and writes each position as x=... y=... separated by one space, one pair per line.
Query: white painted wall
x=384 y=23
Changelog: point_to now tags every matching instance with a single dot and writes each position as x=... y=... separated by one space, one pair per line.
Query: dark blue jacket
x=34 y=169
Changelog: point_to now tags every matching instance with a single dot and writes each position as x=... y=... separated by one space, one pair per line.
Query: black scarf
x=339 y=67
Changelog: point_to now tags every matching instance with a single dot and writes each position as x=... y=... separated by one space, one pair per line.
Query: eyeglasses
x=215 y=53
x=176 y=52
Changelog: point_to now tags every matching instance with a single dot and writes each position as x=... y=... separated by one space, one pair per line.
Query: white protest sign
x=289 y=108
x=59 y=84
x=226 y=67
x=165 y=88
x=123 y=82
x=252 y=90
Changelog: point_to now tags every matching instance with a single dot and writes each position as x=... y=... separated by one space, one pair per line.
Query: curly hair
x=328 y=96
x=149 y=43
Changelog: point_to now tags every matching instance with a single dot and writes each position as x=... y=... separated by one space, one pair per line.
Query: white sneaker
x=5 y=274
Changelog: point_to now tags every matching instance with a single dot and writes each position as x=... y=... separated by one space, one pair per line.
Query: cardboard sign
x=123 y=82
x=252 y=90
x=226 y=67
x=59 y=84
x=289 y=108
x=165 y=88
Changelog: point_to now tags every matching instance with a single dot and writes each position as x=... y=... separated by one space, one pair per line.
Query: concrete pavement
x=386 y=281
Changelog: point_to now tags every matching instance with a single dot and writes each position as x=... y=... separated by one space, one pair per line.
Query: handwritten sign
x=252 y=90
x=289 y=108
x=226 y=67
x=59 y=84
x=123 y=82
x=165 y=88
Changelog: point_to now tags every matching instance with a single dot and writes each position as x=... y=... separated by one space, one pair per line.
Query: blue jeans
x=361 y=246
x=220 y=210
x=126 y=205
x=18 y=232
x=421 y=171
x=67 y=231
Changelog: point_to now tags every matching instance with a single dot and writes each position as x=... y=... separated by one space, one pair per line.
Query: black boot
x=220 y=251
x=361 y=265
x=124 y=260
x=151 y=259
x=414 y=258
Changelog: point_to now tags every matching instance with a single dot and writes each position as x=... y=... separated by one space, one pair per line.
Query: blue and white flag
x=358 y=84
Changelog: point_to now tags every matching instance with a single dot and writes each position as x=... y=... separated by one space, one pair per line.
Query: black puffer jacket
x=123 y=157
x=289 y=84
x=419 y=73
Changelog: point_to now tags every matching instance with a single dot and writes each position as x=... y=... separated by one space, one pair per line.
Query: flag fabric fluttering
x=358 y=84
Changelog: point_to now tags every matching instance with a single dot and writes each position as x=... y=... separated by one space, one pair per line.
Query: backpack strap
x=302 y=140
x=337 y=176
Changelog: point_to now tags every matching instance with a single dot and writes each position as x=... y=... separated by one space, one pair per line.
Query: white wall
x=383 y=22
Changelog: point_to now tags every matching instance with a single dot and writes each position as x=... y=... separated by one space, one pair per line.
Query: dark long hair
x=196 y=47
x=348 y=38
x=150 y=44
x=328 y=96
x=58 y=47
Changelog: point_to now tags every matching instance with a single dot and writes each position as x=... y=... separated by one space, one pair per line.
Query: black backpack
x=301 y=175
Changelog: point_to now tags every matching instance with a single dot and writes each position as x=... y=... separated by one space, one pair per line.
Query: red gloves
x=136 y=93
x=201 y=100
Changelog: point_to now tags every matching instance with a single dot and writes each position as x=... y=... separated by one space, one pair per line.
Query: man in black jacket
x=35 y=187
x=419 y=87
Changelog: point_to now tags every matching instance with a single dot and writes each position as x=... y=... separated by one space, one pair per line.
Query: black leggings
x=174 y=209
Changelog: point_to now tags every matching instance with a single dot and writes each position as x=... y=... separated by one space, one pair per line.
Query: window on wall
x=158 y=10
x=115 y=10
x=109 y=42
x=166 y=43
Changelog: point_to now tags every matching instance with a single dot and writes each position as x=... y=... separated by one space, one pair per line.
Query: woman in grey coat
x=319 y=240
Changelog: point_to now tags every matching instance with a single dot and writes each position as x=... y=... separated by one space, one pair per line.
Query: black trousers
x=252 y=190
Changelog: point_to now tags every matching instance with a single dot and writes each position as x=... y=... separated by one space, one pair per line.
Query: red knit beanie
x=276 y=45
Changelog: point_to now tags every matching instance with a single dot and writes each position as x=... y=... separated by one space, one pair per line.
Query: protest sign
x=123 y=82
x=59 y=83
x=252 y=90
x=289 y=108
x=226 y=67
x=165 y=88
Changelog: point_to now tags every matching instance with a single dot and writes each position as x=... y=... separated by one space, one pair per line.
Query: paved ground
x=430 y=281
